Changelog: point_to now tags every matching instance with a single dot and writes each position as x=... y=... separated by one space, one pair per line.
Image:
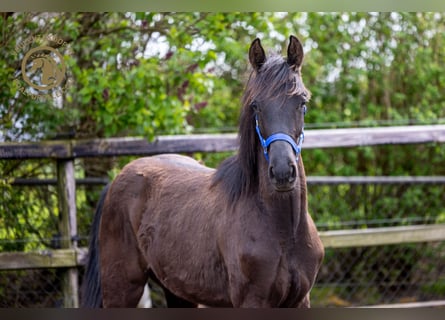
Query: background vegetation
x=148 y=74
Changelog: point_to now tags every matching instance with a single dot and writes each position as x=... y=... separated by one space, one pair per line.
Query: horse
x=236 y=236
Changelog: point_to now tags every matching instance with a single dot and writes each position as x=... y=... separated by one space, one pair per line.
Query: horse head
x=277 y=97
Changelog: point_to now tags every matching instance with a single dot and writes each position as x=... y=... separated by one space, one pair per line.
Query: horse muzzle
x=282 y=168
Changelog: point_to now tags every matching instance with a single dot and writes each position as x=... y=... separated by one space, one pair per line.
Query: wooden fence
x=72 y=258
x=64 y=153
x=326 y=138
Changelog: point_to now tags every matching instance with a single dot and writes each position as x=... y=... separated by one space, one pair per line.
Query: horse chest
x=298 y=276
x=273 y=274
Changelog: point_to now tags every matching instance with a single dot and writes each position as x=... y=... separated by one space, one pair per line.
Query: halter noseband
x=265 y=143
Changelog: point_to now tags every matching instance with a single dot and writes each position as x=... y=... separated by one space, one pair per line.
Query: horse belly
x=191 y=270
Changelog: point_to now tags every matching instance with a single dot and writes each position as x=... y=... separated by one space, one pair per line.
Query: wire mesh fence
x=355 y=276
x=33 y=288
x=381 y=275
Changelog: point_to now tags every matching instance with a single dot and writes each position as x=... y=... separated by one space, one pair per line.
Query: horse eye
x=304 y=107
x=255 y=106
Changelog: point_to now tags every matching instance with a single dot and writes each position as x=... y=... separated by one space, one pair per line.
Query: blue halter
x=265 y=143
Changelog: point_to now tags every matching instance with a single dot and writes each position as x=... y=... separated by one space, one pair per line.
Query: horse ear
x=257 y=56
x=295 y=53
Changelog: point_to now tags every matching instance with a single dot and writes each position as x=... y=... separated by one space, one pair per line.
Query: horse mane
x=239 y=174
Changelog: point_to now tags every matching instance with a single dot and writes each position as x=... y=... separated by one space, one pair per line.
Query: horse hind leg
x=123 y=269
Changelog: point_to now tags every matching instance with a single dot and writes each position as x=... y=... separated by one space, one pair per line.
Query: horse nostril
x=284 y=176
x=293 y=173
x=271 y=173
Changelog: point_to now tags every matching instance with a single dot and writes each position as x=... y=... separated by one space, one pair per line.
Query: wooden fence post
x=66 y=185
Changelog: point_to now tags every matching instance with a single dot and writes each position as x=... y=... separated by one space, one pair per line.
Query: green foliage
x=147 y=74
x=28 y=216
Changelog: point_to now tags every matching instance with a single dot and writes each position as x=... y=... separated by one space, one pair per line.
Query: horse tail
x=91 y=288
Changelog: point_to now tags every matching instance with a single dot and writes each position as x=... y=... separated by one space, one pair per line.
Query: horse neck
x=288 y=211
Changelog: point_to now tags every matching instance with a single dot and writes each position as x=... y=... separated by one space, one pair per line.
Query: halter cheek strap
x=265 y=143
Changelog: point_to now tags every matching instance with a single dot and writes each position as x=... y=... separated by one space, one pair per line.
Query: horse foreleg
x=249 y=295
x=305 y=303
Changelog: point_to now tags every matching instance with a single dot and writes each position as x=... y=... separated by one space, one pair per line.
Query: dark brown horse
x=237 y=236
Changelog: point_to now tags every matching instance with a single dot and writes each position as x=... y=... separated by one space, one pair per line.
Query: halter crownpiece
x=265 y=143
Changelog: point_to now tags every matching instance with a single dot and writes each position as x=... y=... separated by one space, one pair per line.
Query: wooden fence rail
x=326 y=138
x=75 y=257
x=311 y=180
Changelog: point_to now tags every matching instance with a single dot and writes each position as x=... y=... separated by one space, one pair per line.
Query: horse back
x=144 y=185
